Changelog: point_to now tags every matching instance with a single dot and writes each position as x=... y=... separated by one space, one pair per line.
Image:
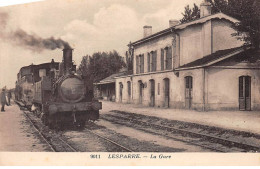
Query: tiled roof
x=206 y=60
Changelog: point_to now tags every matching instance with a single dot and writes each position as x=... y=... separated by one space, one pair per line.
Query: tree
x=219 y=6
x=99 y=66
x=82 y=69
x=247 y=12
x=190 y=14
x=129 y=58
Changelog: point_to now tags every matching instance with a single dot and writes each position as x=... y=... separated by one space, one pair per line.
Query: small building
x=196 y=65
x=105 y=89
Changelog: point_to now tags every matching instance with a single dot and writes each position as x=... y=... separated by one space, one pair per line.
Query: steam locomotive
x=55 y=93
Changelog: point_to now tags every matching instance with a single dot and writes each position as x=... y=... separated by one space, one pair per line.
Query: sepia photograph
x=130 y=82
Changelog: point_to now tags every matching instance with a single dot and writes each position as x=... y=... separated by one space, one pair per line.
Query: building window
x=154 y=60
x=140 y=64
x=162 y=59
x=168 y=61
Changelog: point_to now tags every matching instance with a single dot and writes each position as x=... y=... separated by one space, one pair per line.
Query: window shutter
x=241 y=93
x=137 y=64
x=148 y=62
x=162 y=59
x=169 y=58
x=154 y=57
x=142 y=63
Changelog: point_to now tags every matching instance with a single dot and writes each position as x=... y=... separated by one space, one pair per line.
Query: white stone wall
x=177 y=89
x=125 y=98
x=157 y=44
x=221 y=88
x=197 y=91
x=222 y=38
x=190 y=44
x=223 y=92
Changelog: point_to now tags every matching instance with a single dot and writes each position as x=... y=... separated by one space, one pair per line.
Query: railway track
x=109 y=140
x=39 y=132
x=212 y=139
x=60 y=145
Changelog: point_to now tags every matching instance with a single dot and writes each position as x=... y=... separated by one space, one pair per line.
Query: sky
x=87 y=25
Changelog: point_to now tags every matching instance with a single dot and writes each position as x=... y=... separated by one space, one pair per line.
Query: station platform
x=248 y=121
x=17 y=134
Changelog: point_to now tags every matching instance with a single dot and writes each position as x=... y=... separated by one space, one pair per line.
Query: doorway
x=120 y=92
x=167 y=92
x=245 y=93
x=129 y=91
x=152 y=93
x=140 y=84
x=188 y=92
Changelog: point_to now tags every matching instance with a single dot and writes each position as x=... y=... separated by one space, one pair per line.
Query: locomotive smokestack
x=67 y=59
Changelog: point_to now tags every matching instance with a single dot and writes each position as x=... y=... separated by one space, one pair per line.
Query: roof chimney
x=205 y=8
x=147 y=31
x=173 y=22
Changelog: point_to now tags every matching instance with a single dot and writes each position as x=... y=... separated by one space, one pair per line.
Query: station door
x=188 y=92
x=121 y=92
x=140 y=92
x=244 y=93
x=152 y=93
x=167 y=92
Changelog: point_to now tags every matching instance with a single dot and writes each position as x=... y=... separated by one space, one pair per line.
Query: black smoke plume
x=29 y=41
x=35 y=42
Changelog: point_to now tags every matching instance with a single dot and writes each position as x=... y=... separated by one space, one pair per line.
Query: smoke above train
x=25 y=40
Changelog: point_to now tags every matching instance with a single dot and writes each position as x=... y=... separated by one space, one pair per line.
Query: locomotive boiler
x=60 y=96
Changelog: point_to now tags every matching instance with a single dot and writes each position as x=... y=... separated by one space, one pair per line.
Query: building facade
x=196 y=65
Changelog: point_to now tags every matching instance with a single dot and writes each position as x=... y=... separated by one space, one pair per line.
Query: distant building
x=196 y=65
x=105 y=89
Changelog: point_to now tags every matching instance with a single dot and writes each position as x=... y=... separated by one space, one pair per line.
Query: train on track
x=55 y=93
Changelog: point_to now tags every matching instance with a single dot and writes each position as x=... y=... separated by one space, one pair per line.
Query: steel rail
x=234 y=143
x=109 y=140
x=175 y=138
x=50 y=145
x=73 y=149
x=40 y=133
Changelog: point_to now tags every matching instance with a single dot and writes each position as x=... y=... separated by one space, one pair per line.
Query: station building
x=196 y=65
